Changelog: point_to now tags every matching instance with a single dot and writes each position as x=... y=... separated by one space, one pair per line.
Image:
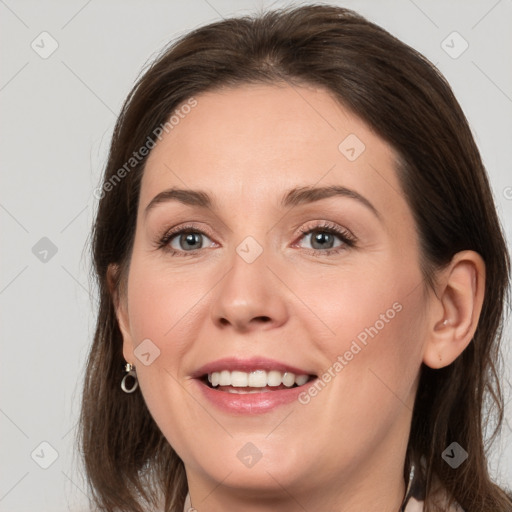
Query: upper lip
x=247 y=365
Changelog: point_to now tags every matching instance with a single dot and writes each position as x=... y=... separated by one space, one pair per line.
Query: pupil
x=321 y=238
x=192 y=239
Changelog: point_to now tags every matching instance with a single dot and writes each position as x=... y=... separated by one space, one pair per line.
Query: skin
x=345 y=449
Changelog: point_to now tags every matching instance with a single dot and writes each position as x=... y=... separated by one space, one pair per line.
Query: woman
x=328 y=338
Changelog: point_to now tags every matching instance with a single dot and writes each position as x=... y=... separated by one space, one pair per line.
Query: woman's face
x=272 y=274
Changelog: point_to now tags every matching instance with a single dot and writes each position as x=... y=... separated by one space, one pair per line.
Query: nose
x=250 y=297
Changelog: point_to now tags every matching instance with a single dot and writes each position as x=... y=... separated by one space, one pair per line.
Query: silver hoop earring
x=130 y=373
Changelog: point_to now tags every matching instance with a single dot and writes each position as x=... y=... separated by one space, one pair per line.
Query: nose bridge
x=247 y=281
x=248 y=294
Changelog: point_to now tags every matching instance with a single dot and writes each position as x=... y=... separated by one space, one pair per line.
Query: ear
x=455 y=310
x=120 y=302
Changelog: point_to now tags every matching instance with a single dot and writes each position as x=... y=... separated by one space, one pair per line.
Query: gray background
x=57 y=117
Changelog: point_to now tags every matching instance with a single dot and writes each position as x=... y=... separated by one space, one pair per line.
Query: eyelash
x=348 y=240
x=344 y=235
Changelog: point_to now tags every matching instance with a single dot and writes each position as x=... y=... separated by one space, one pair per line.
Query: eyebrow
x=294 y=197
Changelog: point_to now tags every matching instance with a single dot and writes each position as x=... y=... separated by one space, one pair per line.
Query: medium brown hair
x=409 y=104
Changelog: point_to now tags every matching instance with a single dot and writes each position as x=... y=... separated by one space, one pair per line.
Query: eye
x=186 y=239
x=325 y=239
x=322 y=238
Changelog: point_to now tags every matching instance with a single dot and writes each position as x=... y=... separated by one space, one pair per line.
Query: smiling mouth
x=257 y=381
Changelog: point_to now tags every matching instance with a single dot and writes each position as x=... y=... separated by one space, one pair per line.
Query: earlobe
x=121 y=308
x=456 y=310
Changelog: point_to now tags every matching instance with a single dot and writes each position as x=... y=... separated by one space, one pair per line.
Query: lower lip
x=251 y=403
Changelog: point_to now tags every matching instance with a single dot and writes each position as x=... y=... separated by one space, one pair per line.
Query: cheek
x=379 y=359
x=373 y=347
x=365 y=303
x=162 y=308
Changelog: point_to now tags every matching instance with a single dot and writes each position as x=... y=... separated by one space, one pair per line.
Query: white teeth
x=274 y=378
x=238 y=379
x=225 y=378
x=289 y=379
x=300 y=380
x=255 y=379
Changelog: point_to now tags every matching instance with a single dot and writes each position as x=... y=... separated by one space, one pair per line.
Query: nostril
x=262 y=319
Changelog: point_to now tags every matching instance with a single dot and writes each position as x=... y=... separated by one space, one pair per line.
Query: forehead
x=260 y=140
